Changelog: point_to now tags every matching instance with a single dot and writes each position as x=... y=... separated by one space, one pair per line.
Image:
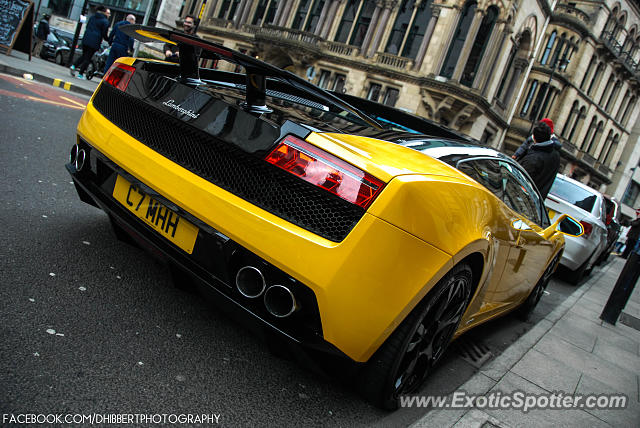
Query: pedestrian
x=42 y=33
x=621 y=240
x=542 y=160
x=524 y=147
x=171 y=52
x=632 y=236
x=121 y=44
x=97 y=30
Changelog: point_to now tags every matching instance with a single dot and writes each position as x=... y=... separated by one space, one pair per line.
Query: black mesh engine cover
x=230 y=168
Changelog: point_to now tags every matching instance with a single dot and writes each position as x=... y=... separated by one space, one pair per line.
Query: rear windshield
x=573 y=194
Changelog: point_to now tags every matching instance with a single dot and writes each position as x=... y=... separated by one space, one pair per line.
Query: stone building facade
x=487 y=68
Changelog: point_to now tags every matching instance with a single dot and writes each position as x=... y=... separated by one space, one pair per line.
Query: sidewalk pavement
x=571 y=352
x=18 y=64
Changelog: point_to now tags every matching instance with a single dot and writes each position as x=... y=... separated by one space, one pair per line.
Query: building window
x=529 y=98
x=265 y=12
x=362 y=23
x=406 y=35
x=348 y=17
x=631 y=194
x=301 y=14
x=592 y=63
x=613 y=96
x=593 y=143
x=573 y=115
x=608 y=157
x=576 y=125
x=459 y=38
x=228 y=9
x=374 y=92
x=627 y=111
x=547 y=50
x=592 y=127
x=323 y=80
x=622 y=105
x=338 y=84
x=558 y=51
x=391 y=97
x=479 y=46
x=595 y=77
x=607 y=87
x=314 y=15
x=536 y=107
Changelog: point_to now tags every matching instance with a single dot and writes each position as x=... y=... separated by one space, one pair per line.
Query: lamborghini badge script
x=178 y=107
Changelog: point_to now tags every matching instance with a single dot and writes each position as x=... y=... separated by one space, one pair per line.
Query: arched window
x=611 y=21
x=573 y=116
x=595 y=77
x=527 y=101
x=566 y=56
x=592 y=63
x=355 y=22
x=547 y=50
x=578 y=123
x=589 y=135
x=406 y=34
x=629 y=40
x=619 y=25
x=228 y=9
x=627 y=111
x=479 y=46
x=307 y=15
x=607 y=88
x=459 y=37
x=558 y=51
x=348 y=18
x=607 y=143
x=536 y=107
x=613 y=96
x=622 y=105
x=593 y=143
x=611 y=151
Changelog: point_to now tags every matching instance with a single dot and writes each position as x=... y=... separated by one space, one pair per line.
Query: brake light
x=325 y=170
x=588 y=228
x=119 y=75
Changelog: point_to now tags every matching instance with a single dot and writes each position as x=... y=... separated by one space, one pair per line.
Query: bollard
x=623 y=288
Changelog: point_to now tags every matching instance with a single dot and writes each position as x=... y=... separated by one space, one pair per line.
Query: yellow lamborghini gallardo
x=334 y=226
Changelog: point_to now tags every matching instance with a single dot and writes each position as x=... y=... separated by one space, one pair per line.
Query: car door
x=531 y=253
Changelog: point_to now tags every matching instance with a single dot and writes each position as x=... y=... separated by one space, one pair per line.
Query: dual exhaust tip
x=278 y=299
x=77 y=157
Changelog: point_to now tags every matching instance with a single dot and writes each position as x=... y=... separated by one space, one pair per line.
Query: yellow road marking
x=54 y=102
x=72 y=101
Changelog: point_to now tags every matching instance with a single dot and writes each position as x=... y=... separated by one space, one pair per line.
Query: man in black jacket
x=97 y=30
x=542 y=161
x=41 y=34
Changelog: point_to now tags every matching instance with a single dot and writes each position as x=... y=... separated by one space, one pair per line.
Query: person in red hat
x=524 y=147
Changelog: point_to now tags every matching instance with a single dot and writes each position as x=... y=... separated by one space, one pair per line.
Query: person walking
x=97 y=30
x=524 y=147
x=542 y=160
x=632 y=236
x=41 y=34
x=121 y=44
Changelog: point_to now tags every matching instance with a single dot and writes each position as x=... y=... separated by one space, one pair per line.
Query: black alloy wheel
x=525 y=310
x=59 y=58
x=409 y=355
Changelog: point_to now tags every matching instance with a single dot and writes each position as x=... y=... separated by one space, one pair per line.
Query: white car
x=568 y=196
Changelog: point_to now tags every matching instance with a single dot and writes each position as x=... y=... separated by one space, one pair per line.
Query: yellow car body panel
x=429 y=217
x=363 y=290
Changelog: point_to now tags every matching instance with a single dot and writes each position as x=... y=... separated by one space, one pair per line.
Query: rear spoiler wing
x=193 y=48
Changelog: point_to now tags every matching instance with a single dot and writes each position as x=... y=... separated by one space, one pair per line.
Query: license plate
x=160 y=218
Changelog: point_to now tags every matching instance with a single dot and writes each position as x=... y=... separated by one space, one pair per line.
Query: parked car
x=587 y=205
x=63 y=51
x=327 y=231
x=612 y=221
x=54 y=40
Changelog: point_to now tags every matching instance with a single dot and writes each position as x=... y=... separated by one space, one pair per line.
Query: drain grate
x=630 y=321
x=473 y=352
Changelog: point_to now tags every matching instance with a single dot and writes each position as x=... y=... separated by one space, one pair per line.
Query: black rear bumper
x=212 y=265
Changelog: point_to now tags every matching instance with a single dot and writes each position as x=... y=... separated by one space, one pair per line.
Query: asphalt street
x=93 y=325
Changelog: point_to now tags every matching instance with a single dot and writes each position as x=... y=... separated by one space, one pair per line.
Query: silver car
x=568 y=196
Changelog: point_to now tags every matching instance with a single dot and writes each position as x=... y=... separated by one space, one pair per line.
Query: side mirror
x=565 y=224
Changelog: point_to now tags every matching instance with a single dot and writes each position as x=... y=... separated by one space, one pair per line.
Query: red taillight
x=326 y=171
x=119 y=75
x=588 y=228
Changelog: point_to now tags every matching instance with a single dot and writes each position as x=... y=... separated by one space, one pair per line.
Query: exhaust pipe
x=250 y=282
x=80 y=159
x=280 y=301
x=74 y=154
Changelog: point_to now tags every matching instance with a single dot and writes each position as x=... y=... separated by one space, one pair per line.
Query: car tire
x=576 y=276
x=407 y=357
x=59 y=58
x=526 y=308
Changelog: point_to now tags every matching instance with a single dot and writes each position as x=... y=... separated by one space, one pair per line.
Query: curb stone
x=69 y=86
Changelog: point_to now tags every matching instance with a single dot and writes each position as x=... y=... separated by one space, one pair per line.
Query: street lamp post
x=76 y=36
